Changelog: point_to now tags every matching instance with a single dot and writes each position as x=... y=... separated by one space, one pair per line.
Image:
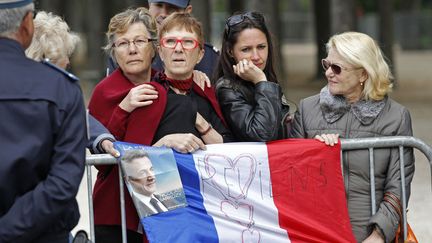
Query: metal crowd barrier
x=389 y=142
x=346 y=144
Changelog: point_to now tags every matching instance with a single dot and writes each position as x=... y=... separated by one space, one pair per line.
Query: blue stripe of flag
x=189 y=224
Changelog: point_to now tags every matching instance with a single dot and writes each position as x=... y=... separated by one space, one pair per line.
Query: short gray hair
x=10 y=19
x=121 y=22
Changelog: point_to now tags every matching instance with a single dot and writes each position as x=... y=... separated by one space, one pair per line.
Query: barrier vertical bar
x=402 y=174
x=122 y=207
x=90 y=202
x=372 y=179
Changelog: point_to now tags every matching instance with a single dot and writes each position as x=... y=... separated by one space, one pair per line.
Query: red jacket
x=139 y=127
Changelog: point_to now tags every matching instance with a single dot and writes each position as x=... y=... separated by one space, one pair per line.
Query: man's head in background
x=160 y=9
x=16 y=20
x=139 y=172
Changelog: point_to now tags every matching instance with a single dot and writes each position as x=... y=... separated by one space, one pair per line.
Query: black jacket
x=253 y=112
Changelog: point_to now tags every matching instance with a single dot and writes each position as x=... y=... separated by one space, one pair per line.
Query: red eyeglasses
x=336 y=68
x=186 y=43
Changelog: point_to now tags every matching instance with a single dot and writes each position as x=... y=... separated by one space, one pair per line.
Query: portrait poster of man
x=152 y=178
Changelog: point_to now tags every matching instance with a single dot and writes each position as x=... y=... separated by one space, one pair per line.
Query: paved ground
x=414 y=91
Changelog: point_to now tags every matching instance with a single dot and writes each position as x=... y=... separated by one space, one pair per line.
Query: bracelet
x=207 y=130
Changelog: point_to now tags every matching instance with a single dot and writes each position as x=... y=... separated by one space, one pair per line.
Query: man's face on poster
x=141 y=176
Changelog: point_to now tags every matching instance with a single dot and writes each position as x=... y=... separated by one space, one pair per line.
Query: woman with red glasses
x=189 y=109
x=355 y=104
x=247 y=87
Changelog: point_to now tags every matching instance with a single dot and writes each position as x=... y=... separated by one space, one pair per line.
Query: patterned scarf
x=182 y=85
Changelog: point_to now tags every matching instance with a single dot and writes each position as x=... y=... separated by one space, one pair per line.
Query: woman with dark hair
x=247 y=89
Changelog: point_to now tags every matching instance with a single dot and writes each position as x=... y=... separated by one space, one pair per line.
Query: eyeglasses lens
x=336 y=69
x=186 y=43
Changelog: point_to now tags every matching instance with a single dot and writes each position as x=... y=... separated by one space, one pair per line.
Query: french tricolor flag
x=284 y=191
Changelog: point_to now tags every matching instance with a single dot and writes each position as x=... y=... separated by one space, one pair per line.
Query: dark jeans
x=113 y=234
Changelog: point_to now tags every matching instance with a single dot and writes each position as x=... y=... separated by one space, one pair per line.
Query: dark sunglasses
x=336 y=68
x=239 y=18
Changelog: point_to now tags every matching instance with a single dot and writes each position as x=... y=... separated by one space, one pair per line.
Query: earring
x=361 y=83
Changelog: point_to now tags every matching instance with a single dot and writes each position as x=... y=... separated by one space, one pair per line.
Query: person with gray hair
x=43 y=137
x=130 y=38
x=355 y=104
x=54 y=42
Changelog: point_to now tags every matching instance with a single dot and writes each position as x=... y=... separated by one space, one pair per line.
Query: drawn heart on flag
x=251 y=236
x=237 y=174
x=241 y=213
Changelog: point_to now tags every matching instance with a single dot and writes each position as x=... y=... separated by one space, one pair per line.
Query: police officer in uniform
x=42 y=137
x=160 y=9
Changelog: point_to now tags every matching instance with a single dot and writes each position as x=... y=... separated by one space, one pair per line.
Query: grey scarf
x=334 y=107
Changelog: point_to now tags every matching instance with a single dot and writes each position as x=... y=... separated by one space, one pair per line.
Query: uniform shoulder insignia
x=212 y=47
x=61 y=70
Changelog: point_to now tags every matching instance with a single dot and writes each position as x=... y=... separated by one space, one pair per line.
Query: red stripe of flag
x=308 y=191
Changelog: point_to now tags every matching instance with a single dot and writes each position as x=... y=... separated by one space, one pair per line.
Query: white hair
x=52 y=38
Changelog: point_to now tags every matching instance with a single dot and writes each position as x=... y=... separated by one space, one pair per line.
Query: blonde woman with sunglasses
x=355 y=104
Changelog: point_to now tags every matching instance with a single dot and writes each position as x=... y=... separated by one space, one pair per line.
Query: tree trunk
x=385 y=8
x=94 y=28
x=343 y=16
x=235 y=6
x=322 y=32
x=202 y=11
x=50 y=6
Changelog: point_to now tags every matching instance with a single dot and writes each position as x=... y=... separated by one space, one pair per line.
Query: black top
x=180 y=115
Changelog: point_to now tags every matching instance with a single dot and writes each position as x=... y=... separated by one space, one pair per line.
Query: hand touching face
x=251 y=52
x=248 y=71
